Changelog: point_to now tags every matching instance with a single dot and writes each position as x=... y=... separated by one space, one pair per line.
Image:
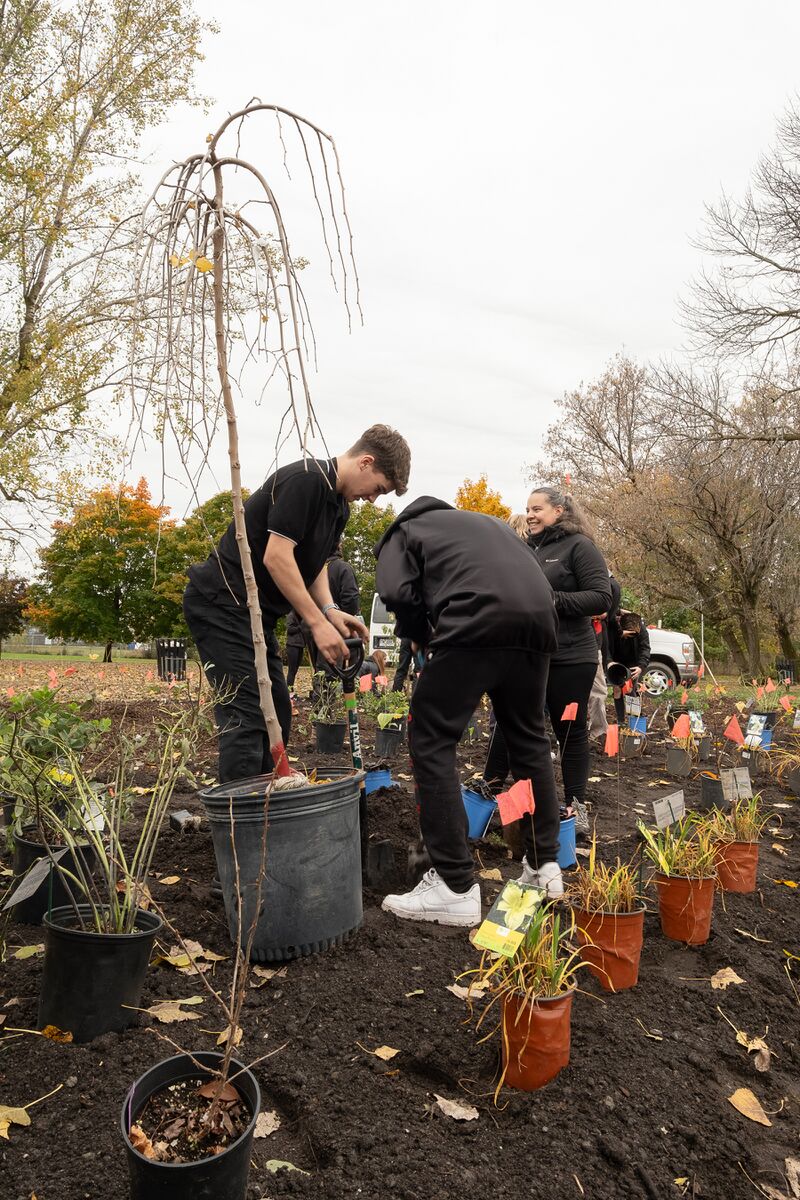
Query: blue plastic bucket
x=566 y=850
x=479 y=812
x=637 y=724
x=378 y=779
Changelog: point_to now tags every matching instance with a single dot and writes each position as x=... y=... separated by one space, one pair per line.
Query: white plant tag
x=669 y=809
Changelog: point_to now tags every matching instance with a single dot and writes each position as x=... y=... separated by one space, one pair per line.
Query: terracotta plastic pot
x=611 y=945
x=737 y=866
x=535 y=1039
x=685 y=907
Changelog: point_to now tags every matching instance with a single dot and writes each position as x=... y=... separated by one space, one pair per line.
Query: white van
x=381 y=631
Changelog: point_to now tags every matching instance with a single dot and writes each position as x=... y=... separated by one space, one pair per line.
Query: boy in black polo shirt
x=293 y=522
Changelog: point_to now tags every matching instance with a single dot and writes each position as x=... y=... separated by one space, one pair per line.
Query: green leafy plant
x=684 y=849
x=328 y=706
x=743 y=822
x=385 y=707
x=599 y=888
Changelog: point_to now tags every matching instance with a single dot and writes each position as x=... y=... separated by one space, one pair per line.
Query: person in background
x=374 y=664
x=344 y=592
x=295 y=645
x=467 y=590
x=562 y=543
x=629 y=644
x=405 y=663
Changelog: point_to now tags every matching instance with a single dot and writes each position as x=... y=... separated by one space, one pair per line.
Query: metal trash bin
x=171 y=658
x=786 y=670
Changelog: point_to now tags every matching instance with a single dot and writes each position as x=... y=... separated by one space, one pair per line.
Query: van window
x=380 y=613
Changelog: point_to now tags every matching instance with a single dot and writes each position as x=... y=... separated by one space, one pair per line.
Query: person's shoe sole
x=465 y=922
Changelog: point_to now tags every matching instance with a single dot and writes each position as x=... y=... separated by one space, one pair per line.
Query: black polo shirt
x=299 y=502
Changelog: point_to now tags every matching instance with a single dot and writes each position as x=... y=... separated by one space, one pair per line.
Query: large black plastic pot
x=330 y=736
x=92 y=982
x=51 y=892
x=220 y=1177
x=388 y=740
x=311 y=892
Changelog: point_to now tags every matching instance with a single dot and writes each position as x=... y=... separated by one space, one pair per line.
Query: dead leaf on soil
x=384 y=1052
x=227 y=1094
x=793 y=1175
x=491 y=873
x=141 y=892
x=266 y=973
x=655 y=1036
x=28 y=951
x=194 y=960
x=279 y=1164
x=458 y=1112
x=593 y=779
x=266 y=1123
x=780 y=850
x=169 y=1011
x=140 y=1141
x=746 y=933
x=169 y=880
x=781 y=806
x=724 y=977
x=475 y=991
x=416 y=992
x=225 y=1036
x=407 y=778
x=790 y=883
x=745 y=1102
x=55 y=1034
x=11 y=1116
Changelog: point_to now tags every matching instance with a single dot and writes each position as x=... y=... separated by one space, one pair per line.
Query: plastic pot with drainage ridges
x=310 y=897
x=220 y=1176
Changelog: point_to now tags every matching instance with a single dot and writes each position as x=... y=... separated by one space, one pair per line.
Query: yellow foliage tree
x=479 y=497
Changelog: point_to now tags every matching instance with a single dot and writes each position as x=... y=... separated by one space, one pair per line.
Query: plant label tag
x=796 y=721
x=669 y=809
x=696 y=721
x=633 y=706
x=504 y=929
x=742 y=783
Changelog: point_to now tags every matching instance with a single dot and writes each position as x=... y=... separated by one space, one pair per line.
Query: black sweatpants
x=294 y=657
x=404 y=660
x=447 y=693
x=221 y=630
x=566 y=683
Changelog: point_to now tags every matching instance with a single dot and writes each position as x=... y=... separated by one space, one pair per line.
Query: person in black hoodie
x=629 y=644
x=468 y=591
x=562 y=543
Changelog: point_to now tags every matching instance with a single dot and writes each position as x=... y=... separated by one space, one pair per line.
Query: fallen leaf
x=681 y=1180
x=780 y=850
x=55 y=1034
x=169 y=1011
x=724 y=977
x=786 y=882
x=762 y=1060
x=746 y=933
x=266 y=1123
x=228 y=1093
x=279 y=1164
x=141 y=892
x=491 y=873
x=140 y=1141
x=458 y=1112
x=168 y=880
x=657 y=1037
x=11 y=1116
x=793 y=1175
x=416 y=992
x=225 y=1036
x=28 y=951
x=593 y=779
x=475 y=991
x=755 y=1043
x=407 y=778
x=781 y=806
x=745 y=1102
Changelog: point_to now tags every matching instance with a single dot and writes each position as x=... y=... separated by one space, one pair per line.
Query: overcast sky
x=523 y=180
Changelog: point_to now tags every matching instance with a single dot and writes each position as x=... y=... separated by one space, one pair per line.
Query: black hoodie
x=464 y=579
x=578 y=575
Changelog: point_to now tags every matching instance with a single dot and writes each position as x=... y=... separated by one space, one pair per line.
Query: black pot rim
x=18 y=835
x=53 y=921
x=236 y=1066
x=331 y=724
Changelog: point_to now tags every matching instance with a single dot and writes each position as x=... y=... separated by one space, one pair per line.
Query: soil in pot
x=51 y=892
x=611 y=945
x=685 y=907
x=330 y=737
x=536 y=1039
x=92 y=982
x=170 y=1157
x=737 y=866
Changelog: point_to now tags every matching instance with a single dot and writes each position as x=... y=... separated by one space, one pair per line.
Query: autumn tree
x=98 y=575
x=79 y=84
x=479 y=497
x=364 y=530
x=13 y=599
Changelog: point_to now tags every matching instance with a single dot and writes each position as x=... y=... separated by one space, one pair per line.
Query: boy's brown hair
x=390 y=451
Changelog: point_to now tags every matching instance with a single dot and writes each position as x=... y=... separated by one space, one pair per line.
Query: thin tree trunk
x=783 y=630
x=107 y=652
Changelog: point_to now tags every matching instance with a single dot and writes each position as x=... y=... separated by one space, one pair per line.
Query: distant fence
x=21 y=645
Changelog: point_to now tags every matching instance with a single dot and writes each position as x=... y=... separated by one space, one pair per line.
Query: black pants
x=446 y=695
x=566 y=683
x=221 y=630
x=294 y=657
x=403 y=665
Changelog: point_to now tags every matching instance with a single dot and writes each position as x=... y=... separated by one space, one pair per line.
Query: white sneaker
x=433 y=900
x=548 y=878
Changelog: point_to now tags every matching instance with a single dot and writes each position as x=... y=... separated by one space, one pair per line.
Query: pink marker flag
x=381 y=680
x=365 y=683
x=770 y=686
x=516 y=802
x=682 y=727
x=786 y=703
x=759 y=693
x=733 y=731
x=570 y=713
x=701 y=670
x=612 y=741
x=684 y=696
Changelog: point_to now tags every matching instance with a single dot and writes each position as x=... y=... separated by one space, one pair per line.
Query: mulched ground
x=641 y=1111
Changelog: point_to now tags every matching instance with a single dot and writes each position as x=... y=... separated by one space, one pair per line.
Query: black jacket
x=578 y=575
x=464 y=579
x=344 y=589
x=616 y=597
x=633 y=651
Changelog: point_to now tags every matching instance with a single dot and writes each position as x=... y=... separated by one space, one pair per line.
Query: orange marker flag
x=365 y=683
x=770 y=686
x=382 y=680
x=759 y=693
x=682 y=727
x=627 y=687
x=516 y=802
x=612 y=741
x=733 y=731
x=701 y=670
x=786 y=703
x=570 y=713
x=684 y=696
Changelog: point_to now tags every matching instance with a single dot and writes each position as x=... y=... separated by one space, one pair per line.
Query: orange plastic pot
x=737 y=865
x=611 y=946
x=685 y=907
x=535 y=1039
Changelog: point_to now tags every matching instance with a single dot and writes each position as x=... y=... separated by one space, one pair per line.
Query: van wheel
x=658 y=678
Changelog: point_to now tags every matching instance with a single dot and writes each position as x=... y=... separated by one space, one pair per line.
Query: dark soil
x=642 y=1105
x=177 y=1125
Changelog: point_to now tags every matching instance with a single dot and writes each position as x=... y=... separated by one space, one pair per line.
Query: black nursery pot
x=679 y=761
x=51 y=892
x=330 y=736
x=220 y=1177
x=673 y=714
x=388 y=740
x=92 y=982
x=711 y=793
